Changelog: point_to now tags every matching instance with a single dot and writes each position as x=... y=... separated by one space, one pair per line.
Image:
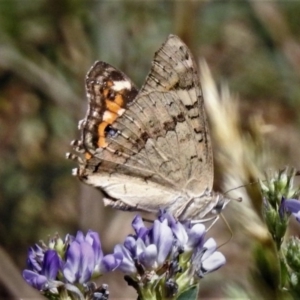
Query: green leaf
x=189 y=294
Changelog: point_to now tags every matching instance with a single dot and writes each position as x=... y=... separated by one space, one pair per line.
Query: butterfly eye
x=219 y=206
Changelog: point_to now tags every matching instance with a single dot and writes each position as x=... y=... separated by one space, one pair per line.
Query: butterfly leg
x=181 y=210
x=214 y=219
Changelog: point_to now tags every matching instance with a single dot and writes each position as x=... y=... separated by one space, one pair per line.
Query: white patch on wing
x=121 y=111
x=107 y=116
x=96 y=114
x=121 y=85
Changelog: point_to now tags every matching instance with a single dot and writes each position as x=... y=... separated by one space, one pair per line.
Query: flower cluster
x=67 y=266
x=160 y=261
x=280 y=201
x=276 y=209
x=167 y=258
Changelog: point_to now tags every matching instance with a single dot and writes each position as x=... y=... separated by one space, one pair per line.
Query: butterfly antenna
x=297 y=173
x=244 y=185
x=213 y=223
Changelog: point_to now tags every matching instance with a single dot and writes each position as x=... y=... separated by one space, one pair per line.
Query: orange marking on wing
x=101 y=132
x=113 y=106
x=102 y=142
x=87 y=155
x=105 y=93
x=109 y=117
x=119 y=100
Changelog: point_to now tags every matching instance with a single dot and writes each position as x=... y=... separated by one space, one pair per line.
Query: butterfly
x=149 y=149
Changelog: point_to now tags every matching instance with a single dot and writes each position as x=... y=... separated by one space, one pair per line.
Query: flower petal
x=210 y=245
x=140 y=247
x=37 y=281
x=213 y=262
x=79 y=236
x=139 y=226
x=297 y=216
x=92 y=237
x=87 y=262
x=196 y=235
x=162 y=237
x=130 y=244
x=51 y=264
x=35 y=258
x=71 y=267
x=292 y=205
x=148 y=256
x=127 y=265
x=179 y=230
x=110 y=262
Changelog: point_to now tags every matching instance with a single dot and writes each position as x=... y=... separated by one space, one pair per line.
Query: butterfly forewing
x=173 y=85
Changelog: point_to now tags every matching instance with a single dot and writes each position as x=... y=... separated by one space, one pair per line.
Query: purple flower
x=42 y=277
x=139 y=226
x=35 y=258
x=207 y=259
x=79 y=262
x=69 y=264
x=161 y=258
x=291 y=206
x=166 y=256
x=37 y=281
x=127 y=251
x=149 y=248
x=188 y=237
x=84 y=258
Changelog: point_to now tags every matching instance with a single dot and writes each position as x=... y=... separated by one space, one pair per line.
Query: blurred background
x=252 y=48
